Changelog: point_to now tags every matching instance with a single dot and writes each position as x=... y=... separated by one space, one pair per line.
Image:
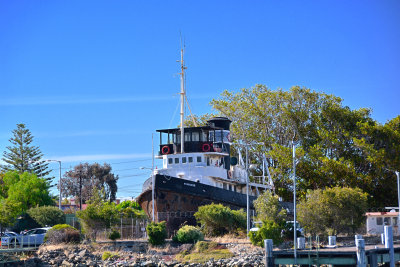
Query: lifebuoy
x=230 y=174
x=165 y=150
x=206 y=147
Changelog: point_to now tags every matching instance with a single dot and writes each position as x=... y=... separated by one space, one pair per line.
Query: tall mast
x=182 y=101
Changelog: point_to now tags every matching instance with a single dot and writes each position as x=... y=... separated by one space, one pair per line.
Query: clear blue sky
x=93 y=80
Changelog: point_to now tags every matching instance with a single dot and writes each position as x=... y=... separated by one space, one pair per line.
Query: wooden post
x=389 y=243
x=301 y=243
x=361 y=260
x=269 y=257
x=373 y=259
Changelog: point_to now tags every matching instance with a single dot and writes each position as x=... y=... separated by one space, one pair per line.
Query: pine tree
x=23 y=157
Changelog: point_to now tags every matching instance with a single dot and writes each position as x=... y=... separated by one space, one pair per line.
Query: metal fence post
x=269 y=257
x=389 y=243
x=361 y=260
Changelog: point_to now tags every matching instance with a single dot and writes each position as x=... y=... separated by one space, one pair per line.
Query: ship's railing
x=259 y=180
x=193 y=146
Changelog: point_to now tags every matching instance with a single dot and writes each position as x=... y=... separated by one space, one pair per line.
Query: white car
x=6 y=238
x=32 y=237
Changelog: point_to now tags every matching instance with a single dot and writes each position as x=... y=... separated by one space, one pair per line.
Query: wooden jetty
x=339 y=256
x=386 y=254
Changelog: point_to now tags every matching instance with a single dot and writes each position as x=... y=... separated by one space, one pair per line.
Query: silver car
x=32 y=237
x=6 y=238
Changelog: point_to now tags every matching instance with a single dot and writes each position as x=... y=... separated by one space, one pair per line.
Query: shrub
x=219 y=220
x=157 y=233
x=107 y=255
x=203 y=246
x=47 y=215
x=62 y=233
x=114 y=235
x=269 y=230
x=333 y=210
x=188 y=234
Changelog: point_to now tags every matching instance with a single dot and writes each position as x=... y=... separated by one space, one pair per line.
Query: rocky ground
x=139 y=254
x=91 y=255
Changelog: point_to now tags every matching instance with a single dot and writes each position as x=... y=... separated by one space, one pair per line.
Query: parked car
x=6 y=237
x=32 y=237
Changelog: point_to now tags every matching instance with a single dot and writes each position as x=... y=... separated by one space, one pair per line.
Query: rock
x=66 y=263
x=83 y=253
x=148 y=264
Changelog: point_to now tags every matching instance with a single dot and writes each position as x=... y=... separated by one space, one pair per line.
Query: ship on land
x=198 y=169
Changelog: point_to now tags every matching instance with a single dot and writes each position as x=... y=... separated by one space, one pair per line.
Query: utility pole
x=398 y=194
x=152 y=175
x=294 y=204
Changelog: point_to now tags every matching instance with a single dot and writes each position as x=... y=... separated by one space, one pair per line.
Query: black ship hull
x=176 y=200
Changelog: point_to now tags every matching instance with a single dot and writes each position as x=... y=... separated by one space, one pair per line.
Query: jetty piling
x=389 y=243
x=269 y=257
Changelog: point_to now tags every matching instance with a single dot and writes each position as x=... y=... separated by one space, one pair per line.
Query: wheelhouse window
x=190 y=159
x=187 y=137
x=183 y=159
x=198 y=159
x=170 y=161
x=178 y=138
x=195 y=137
x=176 y=160
x=204 y=137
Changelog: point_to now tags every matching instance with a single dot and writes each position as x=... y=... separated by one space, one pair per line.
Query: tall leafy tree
x=335 y=146
x=85 y=178
x=26 y=190
x=22 y=156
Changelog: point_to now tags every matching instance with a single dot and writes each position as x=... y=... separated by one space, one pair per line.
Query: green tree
x=98 y=215
x=218 y=219
x=333 y=210
x=26 y=189
x=9 y=211
x=22 y=156
x=335 y=146
x=130 y=209
x=47 y=215
x=91 y=177
x=268 y=208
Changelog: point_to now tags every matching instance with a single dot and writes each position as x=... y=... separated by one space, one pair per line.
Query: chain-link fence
x=128 y=227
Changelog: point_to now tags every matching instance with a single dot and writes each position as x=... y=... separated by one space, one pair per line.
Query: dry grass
x=230 y=239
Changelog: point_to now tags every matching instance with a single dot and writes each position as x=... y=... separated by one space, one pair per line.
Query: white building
x=377 y=220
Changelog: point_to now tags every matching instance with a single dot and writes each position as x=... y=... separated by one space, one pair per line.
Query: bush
x=333 y=210
x=24 y=222
x=62 y=233
x=203 y=246
x=219 y=220
x=114 y=235
x=47 y=215
x=157 y=233
x=269 y=230
x=107 y=255
x=188 y=234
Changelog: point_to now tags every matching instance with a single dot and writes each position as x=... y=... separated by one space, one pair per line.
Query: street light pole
x=294 y=204
x=398 y=194
x=247 y=192
x=152 y=175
